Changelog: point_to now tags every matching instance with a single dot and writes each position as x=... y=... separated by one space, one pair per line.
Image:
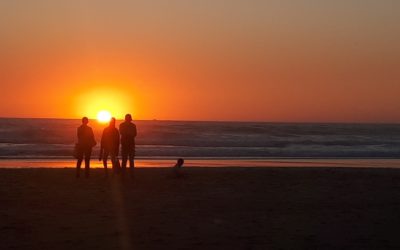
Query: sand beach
x=211 y=208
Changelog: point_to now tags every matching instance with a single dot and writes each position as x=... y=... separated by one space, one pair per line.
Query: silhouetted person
x=110 y=146
x=85 y=144
x=178 y=168
x=128 y=133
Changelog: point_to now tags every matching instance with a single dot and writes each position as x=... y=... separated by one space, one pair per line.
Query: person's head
x=112 y=122
x=180 y=162
x=85 y=120
x=128 y=117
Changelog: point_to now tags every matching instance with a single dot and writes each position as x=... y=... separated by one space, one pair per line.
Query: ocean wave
x=20 y=138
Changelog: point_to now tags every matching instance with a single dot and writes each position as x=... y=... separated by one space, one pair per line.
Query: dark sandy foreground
x=213 y=208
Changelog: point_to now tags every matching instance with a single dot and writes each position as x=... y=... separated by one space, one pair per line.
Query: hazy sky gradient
x=280 y=60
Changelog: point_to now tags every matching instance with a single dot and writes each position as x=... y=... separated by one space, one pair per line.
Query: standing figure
x=85 y=144
x=128 y=133
x=110 y=146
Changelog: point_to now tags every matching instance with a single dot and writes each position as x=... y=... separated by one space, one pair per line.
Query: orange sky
x=300 y=61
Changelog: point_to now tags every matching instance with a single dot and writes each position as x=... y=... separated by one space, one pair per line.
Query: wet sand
x=211 y=208
x=216 y=162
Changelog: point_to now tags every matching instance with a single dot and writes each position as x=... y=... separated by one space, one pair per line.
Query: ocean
x=55 y=138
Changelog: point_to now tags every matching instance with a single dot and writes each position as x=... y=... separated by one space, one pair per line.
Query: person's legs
x=105 y=158
x=124 y=154
x=78 y=166
x=132 y=157
x=88 y=153
x=132 y=161
x=79 y=163
x=113 y=161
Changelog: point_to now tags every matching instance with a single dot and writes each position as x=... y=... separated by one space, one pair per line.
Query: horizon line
x=237 y=121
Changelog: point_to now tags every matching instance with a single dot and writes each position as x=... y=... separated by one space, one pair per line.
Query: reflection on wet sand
x=193 y=162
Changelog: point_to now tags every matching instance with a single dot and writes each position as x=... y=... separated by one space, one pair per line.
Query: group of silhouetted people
x=111 y=140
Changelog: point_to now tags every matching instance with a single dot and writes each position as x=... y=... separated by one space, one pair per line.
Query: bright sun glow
x=104 y=102
x=103 y=116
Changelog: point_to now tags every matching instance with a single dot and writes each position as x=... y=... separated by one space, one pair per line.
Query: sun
x=104 y=102
x=103 y=116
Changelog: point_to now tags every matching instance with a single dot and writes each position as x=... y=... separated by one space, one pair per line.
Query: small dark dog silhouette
x=178 y=168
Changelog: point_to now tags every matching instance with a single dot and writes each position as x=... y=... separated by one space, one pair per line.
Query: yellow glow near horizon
x=104 y=116
x=102 y=103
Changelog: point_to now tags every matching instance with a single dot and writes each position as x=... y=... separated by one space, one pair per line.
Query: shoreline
x=216 y=163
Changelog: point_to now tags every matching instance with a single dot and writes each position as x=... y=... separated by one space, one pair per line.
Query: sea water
x=162 y=140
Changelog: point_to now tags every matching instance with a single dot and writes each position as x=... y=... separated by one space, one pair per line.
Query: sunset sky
x=275 y=60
